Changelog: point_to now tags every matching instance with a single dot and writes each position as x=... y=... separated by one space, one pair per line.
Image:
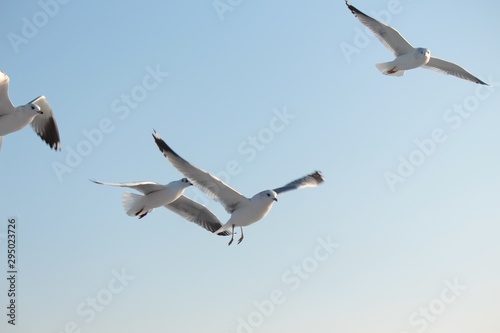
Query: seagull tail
x=130 y=203
x=387 y=68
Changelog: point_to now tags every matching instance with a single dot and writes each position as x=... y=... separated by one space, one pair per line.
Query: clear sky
x=401 y=237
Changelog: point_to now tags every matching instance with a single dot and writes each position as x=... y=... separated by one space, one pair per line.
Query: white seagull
x=244 y=211
x=169 y=196
x=407 y=57
x=38 y=113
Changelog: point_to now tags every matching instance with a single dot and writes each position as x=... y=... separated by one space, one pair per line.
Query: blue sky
x=259 y=94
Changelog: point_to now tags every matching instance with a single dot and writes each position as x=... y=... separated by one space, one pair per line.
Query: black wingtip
x=318 y=176
x=162 y=145
x=353 y=9
x=50 y=134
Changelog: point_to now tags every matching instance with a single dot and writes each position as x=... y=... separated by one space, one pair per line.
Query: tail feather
x=130 y=203
x=387 y=68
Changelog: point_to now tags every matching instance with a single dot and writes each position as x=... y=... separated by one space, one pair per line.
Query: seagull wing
x=5 y=103
x=389 y=36
x=143 y=187
x=446 y=67
x=45 y=124
x=209 y=184
x=197 y=213
x=312 y=180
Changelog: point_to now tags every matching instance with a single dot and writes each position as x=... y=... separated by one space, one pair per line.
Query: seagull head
x=267 y=196
x=180 y=184
x=423 y=52
x=32 y=109
x=185 y=182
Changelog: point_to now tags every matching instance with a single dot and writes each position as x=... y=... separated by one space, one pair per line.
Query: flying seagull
x=169 y=196
x=244 y=211
x=407 y=57
x=38 y=113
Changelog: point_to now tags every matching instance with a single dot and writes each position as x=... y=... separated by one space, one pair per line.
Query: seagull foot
x=141 y=214
x=241 y=238
x=230 y=242
x=392 y=70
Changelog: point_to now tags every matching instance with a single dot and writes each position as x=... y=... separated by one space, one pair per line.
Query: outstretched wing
x=143 y=187
x=45 y=124
x=312 y=180
x=389 y=36
x=197 y=213
x=446 y=67
x=211 y=185
x=5 y=103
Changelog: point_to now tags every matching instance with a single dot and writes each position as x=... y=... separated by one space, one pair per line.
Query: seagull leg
x=141 y=214
x=241 y=238
x=392 y=70
x=232 y=236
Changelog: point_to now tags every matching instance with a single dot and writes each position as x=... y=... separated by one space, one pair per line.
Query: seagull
x=244 y=211
x=38 y=113
x=407 y=57
x=169 y=196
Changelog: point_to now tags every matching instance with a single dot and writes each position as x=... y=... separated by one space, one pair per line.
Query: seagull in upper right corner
x=407 y=56
x=38 y=113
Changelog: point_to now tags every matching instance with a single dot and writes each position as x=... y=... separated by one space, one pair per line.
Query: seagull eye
x=32 y=107
x=268 y=195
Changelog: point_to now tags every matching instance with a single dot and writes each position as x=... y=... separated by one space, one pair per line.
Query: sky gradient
x=258 y=94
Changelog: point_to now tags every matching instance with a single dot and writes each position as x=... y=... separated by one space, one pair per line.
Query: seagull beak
x=275 y=199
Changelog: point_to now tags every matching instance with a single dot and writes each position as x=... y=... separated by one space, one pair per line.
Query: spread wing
x=211 y=185
x=143 y=187
x=389 y=36
x=45 y=124
x=197 y=213
x=312 y=180
x=446 y=67
x=5 y=103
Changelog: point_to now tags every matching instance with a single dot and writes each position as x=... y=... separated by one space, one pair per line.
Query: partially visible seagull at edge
x=244 y=211
x=169 y=196
x=407 y=57
x=37 y=113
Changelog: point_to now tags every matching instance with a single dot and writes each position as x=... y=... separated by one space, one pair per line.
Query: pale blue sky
x=398 y=250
